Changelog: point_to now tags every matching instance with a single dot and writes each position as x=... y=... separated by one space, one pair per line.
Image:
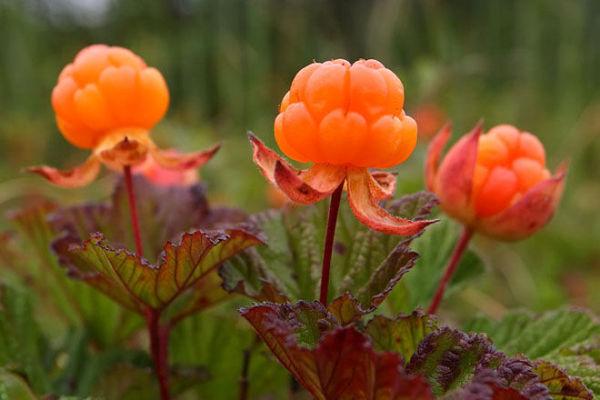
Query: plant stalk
x=135 y=223
x=459 y=249
x=334 y=207
x=247 y=357
x=159 y=348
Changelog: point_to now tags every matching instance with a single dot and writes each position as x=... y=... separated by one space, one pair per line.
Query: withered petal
x=76 y=177
x=367 y=211
x=528 y=214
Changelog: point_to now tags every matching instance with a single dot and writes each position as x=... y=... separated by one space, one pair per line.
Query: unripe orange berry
x=495 y=183
x=509 y=163
x=349 y=115
x=105 y=89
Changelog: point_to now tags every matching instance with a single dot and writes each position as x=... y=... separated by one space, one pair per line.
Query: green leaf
x=128 y=382
x=539 y=336
x=20 y=338
x=194 y=341
x=568 y=338
x=402 y=334
x=14 y=387
x=434 y=247
x=366 y=263
x=62 y=297
x=138 y=285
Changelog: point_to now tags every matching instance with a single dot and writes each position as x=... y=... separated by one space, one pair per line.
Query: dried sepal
x=75 y=177
x=310 y=186
x=124 y=150
x=384 y=185
x=434 y=151
x=367 y=211
x=560 y=384
x=264 y=158
x=454 y=178
x=305 y=187
x=183 y=161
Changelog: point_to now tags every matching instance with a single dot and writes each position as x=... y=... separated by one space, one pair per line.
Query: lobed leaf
x=330 y=361
x=158 y=221
x=366 y=263
x=570 y=339
x=138 y=285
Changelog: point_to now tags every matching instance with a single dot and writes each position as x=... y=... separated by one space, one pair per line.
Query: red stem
x=159 y=348
x=459 y=249
x=135 y=223
x=334 y=207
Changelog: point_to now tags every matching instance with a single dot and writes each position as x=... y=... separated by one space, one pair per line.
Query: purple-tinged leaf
x=164 y=213
x=512 y=379
x=139 y=285
x=335 y=362
x=449 y=358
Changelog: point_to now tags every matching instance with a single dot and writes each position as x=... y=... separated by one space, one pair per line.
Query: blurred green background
x=535 y=64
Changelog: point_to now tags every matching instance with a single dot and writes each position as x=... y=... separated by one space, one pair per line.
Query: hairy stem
x=334 y=207
x=159 y=348
x=459 y=249
x=135 y=223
